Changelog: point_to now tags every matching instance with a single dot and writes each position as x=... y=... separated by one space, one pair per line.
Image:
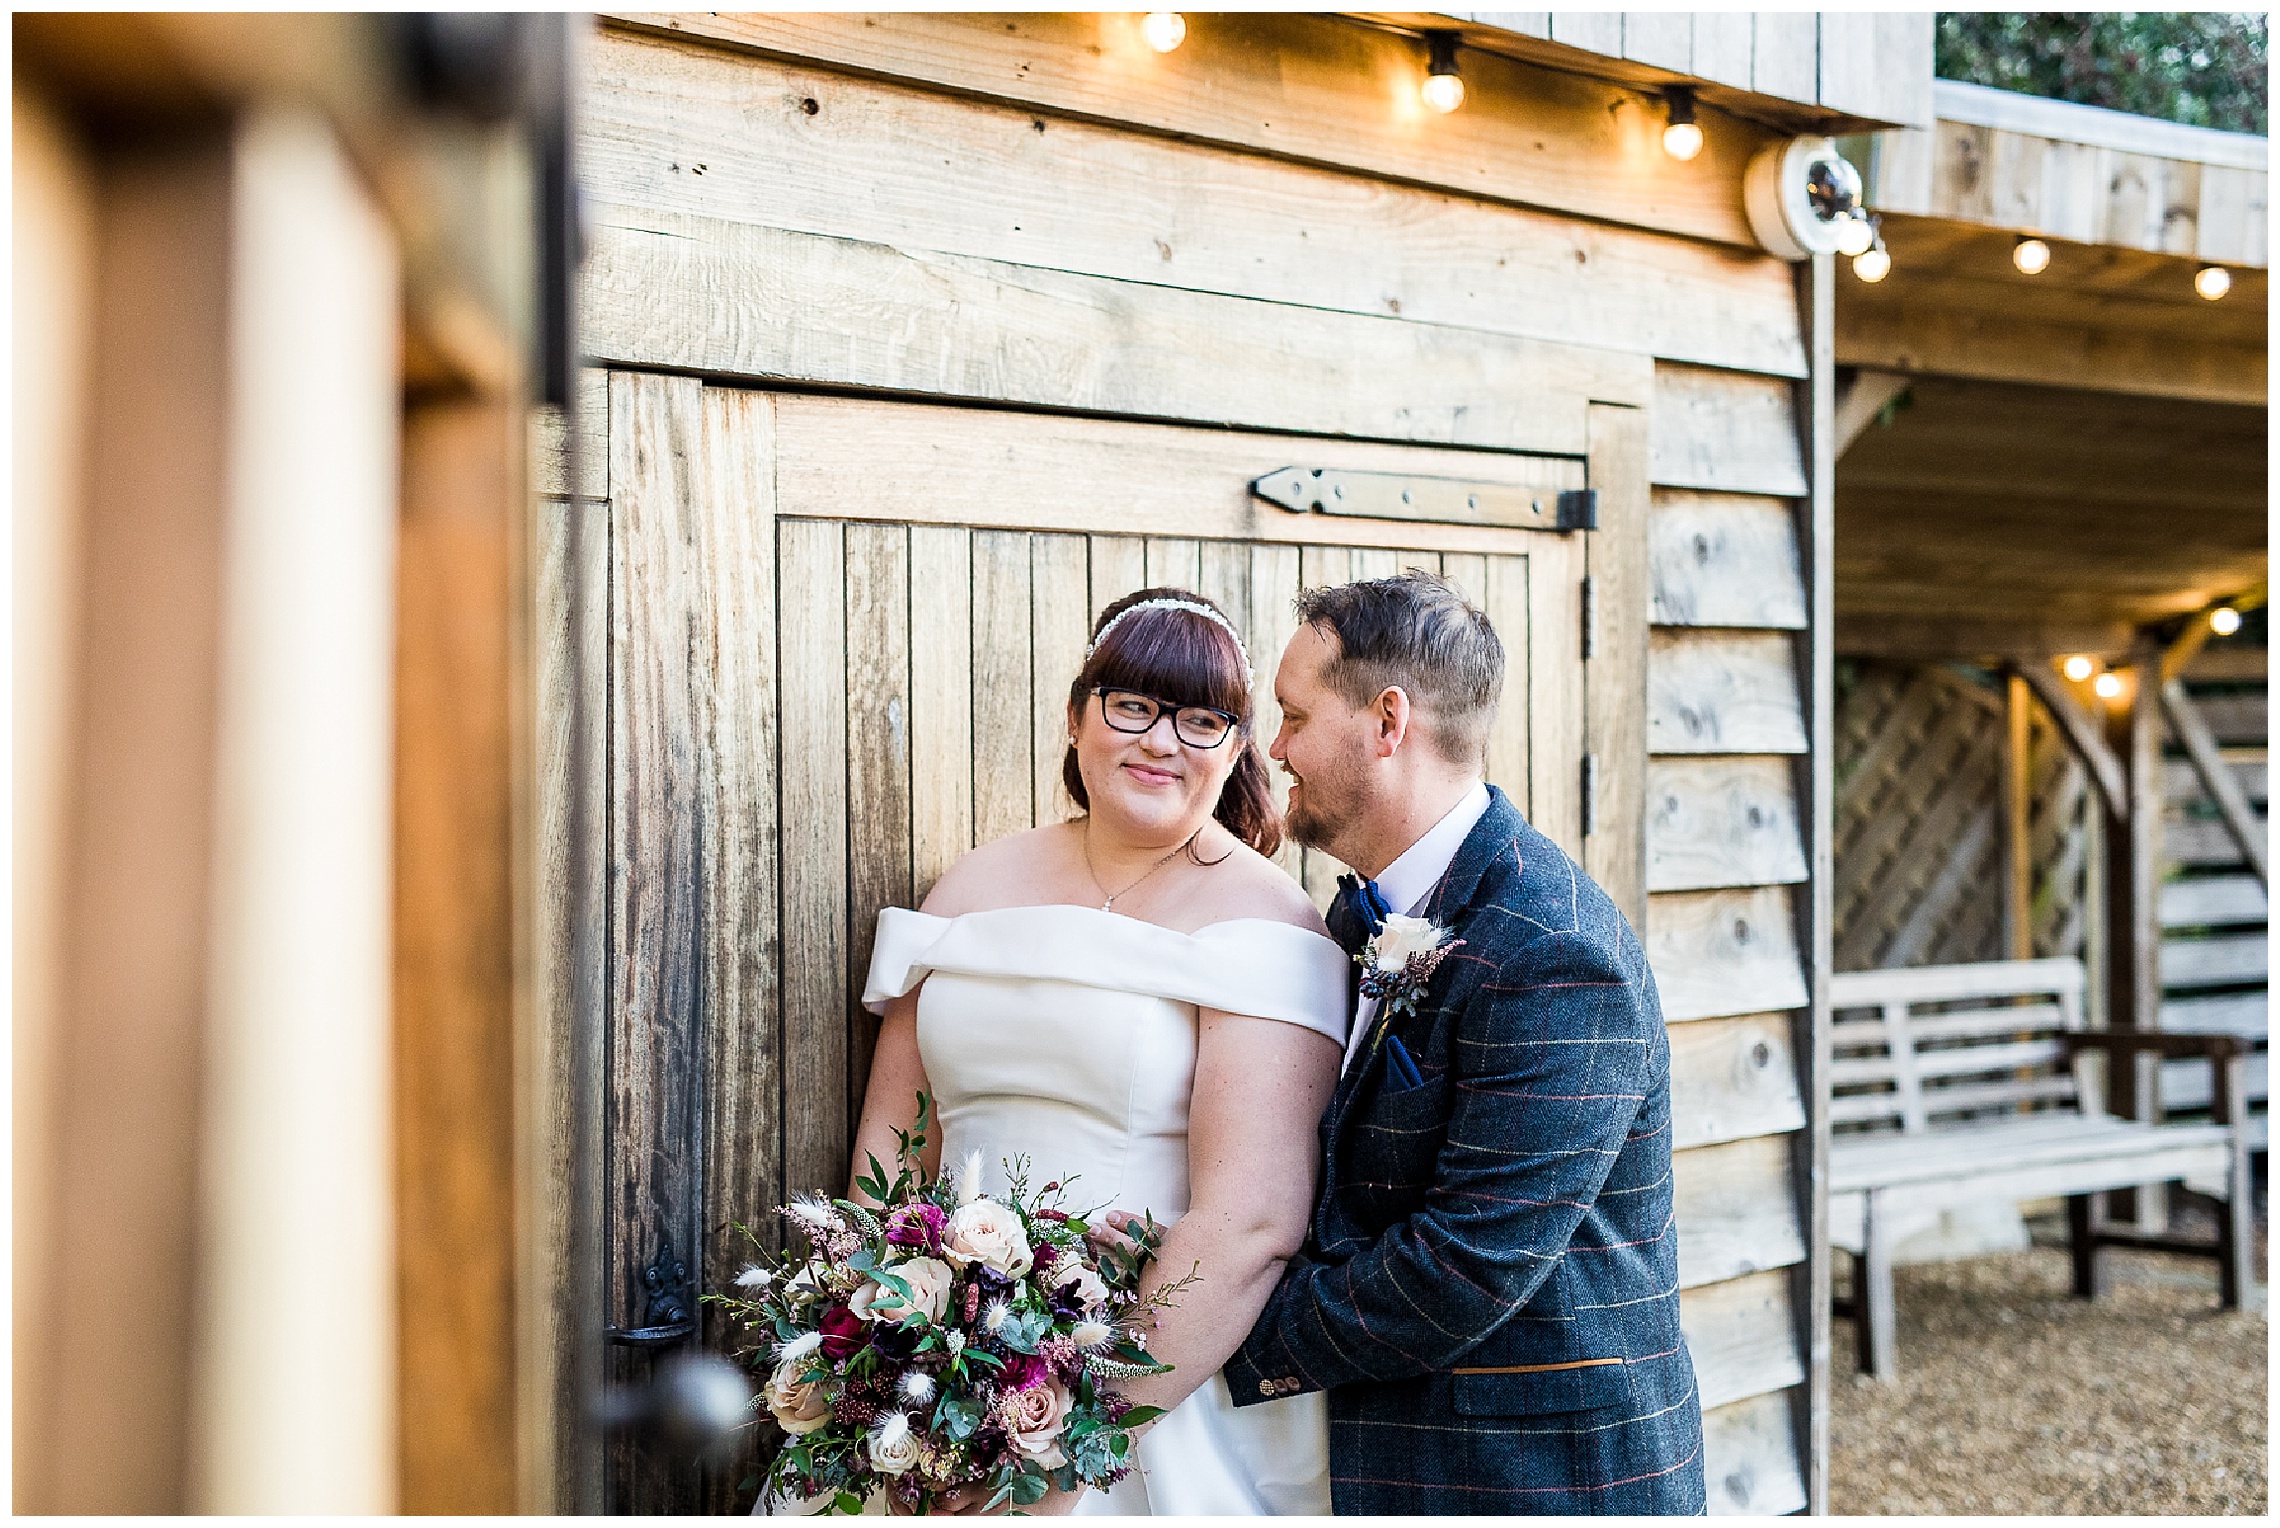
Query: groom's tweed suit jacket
x=1490 y=1289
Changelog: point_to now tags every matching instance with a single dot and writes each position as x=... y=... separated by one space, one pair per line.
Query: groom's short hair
x=1415 y=631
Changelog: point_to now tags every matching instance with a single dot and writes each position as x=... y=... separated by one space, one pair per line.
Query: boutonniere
x=1401 y=959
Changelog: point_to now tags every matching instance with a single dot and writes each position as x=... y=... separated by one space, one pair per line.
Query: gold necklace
x=1109 y=902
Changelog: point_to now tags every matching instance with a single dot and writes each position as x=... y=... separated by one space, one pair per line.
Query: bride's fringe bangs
x=1187 y=659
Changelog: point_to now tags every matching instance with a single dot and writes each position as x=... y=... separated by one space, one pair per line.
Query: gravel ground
x=2015 y=1397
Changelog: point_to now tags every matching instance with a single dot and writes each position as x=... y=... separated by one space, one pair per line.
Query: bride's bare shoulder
x=1005 y=872
x=1249 y=885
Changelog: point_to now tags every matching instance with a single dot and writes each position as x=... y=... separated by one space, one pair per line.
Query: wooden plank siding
x=1039 y=314
x=687 y=128
x=1291 y=86
x=1726 y=858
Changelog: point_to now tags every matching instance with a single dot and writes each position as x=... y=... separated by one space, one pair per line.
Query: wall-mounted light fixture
x=1443 y=90
x=2109 y=685
x=1682 y=139
x=2224 y=620
x=1874 y=263
x=2212 y=281
x=1163 y=30
x=2031 y=256
x=2079 y=667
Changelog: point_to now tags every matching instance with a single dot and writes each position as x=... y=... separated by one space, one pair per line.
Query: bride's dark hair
x=1189 y=660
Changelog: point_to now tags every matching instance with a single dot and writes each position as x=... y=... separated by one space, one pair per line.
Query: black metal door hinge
x=1590 y=617
x=1579 y=509
x=1590 y=794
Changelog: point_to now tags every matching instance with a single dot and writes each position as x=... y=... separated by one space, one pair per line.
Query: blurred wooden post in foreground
x=265 y=1045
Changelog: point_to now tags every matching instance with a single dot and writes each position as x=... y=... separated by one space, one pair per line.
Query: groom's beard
x=1325 y=806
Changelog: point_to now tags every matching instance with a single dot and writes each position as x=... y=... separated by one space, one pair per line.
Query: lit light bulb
x=2077 y=668
x=1854 y=235
x=1442 y=90
x=2109 y=685
x=2224 y=620
x=2031 y=256
x=2212 y=281
x=1682 y=140
x=1873 y=264
x=1163 y=30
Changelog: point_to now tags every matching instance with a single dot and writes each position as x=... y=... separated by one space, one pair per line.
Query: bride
x=1141 y=1001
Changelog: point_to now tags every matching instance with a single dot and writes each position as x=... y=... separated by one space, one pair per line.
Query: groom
x=1489 y=1292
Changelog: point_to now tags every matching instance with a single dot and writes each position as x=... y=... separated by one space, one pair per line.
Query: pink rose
x=929 y=1282
x=1034 y=1418
x=796 y=1404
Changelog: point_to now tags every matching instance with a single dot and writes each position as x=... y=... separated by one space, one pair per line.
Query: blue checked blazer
x=1489 y=1292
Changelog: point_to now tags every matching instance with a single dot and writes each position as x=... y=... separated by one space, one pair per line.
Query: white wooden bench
x=1960 y=1083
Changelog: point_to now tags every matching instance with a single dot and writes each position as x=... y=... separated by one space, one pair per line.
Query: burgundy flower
x=917 y=1225
x=1023 y=1370
x=844 y=1333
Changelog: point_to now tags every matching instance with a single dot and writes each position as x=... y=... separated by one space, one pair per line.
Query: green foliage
x=2203 y=68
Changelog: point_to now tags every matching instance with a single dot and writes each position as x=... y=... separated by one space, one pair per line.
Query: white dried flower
x=970 y=1178
x=917 y=1386
x=815 y=1218
x=755 y=1277
x=799 y=1347
x=1091 y=1334
x=1403 y=937
x=995 y=1316
x=955 y=1341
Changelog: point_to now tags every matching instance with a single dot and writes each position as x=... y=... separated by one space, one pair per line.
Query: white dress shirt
x=1408 y=883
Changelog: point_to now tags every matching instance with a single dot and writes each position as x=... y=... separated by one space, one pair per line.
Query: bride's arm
x=1260 y=1088
x=890 y=1099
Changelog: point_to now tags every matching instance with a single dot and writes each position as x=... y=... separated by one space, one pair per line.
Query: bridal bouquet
x=948 y=1340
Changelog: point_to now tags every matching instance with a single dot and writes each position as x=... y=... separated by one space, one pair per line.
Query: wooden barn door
x=841 y=632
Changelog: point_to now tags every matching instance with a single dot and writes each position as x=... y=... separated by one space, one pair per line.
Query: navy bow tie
x=1356 y=913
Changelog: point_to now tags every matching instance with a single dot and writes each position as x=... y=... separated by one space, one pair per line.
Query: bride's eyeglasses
x=1131 y=711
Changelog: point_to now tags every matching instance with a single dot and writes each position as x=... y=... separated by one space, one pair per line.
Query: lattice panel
x=1918 y=847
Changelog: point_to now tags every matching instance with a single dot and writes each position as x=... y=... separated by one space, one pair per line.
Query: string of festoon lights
x=1860 y=233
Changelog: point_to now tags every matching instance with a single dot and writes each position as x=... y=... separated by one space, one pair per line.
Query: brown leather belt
x=1581 y=1363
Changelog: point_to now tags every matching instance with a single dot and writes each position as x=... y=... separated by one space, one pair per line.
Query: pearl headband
x=1250 y=674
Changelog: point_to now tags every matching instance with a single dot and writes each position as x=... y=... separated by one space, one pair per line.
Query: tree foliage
x=2206 y=68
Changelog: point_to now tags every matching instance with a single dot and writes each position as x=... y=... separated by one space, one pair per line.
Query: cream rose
x=929 y=1281
x=1034 y=1417
x=1089 y=1288
x=796 y=1403
x=987 y=1232
x=1403 y=937
x=893 y=1447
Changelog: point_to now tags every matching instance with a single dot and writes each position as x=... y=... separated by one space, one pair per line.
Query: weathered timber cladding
x=1116 y=300
x=697 y=130
x=1289 y=86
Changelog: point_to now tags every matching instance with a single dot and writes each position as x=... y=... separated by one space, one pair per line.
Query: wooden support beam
x=1998 y=348
x=2200 y=746
x=1862 y=402
x=2105 y=768
x=2018 y=842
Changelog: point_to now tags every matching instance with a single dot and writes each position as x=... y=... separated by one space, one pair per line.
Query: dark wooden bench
x=1954 y=1084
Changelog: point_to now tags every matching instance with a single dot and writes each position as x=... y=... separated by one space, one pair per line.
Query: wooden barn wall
x=780 y=218
x=1727 y=863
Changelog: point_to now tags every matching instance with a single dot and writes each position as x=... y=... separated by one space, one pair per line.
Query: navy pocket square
x=1397 y=1062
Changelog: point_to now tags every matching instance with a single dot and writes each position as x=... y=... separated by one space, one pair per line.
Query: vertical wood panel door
x=842 y=636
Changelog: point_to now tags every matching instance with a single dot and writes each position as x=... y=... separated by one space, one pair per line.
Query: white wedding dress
x=1068 y=1034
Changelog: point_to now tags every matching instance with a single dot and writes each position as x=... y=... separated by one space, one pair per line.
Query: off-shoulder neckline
x=1110 y=912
